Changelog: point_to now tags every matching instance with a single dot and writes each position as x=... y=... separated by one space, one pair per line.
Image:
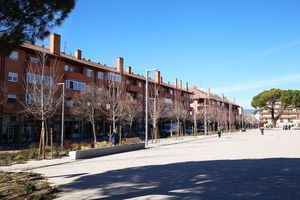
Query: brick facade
x=18 y=127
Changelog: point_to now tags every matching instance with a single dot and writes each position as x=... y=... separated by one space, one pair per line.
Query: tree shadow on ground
x=274 y=178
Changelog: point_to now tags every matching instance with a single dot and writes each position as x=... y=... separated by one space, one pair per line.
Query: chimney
x=161 y=79
x=176 y=84
x=208 y=91
x=55 y=43
x=187 y=86
x=78 y=54
x=120 y=65
x=157 y=76
x=129 y=70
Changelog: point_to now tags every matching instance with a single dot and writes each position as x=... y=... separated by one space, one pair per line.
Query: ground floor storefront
x=25 y=130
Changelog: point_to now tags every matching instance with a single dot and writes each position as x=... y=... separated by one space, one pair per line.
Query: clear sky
x=239 y=47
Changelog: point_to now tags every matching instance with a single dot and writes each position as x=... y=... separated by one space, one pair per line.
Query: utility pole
x=229 y=118
x=205 y=112
x=195 y=116
x=146 y=107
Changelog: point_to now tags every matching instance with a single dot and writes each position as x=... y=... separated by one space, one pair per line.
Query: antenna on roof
x=65 y=46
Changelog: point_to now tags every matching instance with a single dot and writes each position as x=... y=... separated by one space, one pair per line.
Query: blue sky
x=239 y=47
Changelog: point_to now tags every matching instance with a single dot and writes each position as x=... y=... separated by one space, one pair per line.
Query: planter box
x=91 y=153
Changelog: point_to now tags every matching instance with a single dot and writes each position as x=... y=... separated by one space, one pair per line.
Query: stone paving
x=243 y=165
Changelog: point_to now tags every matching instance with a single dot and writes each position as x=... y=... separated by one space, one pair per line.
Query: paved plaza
x=236 y=166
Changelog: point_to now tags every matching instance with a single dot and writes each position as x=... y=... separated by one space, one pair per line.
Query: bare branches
x=87 y=103
x=113 y=99
x=178 y=110
x=42 y=93
x=132 y=110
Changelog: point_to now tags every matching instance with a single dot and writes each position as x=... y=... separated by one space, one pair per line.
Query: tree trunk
x=51 y=142
x=114 y=122
x=43 y=138
x=178 y=128
x=274 y=121
x=46 y=135
x=94 y=131
x=130 y=129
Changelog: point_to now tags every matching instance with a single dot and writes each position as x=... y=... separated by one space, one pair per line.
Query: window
x=128 y=82
x=34 y=97
x=140 y=96
x=89 y=73
x=12 y=77
x=140 y=84
x=38 y=79
x=100 y=75
x=69 y=103
x=13 y=118
x=111 y=76
x=171 y=91
x=168 y=101
x=14 y=55
x=75 y=85
x=34 y=60
x=69 y=68
x=11 y=98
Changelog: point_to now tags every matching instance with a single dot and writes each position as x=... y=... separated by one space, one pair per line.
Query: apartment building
x=216 y=110
x=77 y=73
x=291 y=116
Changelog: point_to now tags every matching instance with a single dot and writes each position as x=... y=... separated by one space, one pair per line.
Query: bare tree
x=43 y=95
x=156 y=108
x=113 y=97
x=179 y=112
x=212 y=115
x=87 y=103
x=222 y=116
x=132 y=110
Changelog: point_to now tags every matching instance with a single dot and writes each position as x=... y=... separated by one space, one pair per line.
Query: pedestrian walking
x=219 y=130
x=261 y=127
x=113 y=137
x=290 y=127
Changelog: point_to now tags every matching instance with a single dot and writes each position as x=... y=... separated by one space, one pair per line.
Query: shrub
x=21 y=155
x=67 y=145
x=102 y=144
x=29 y=187
x=75 y=146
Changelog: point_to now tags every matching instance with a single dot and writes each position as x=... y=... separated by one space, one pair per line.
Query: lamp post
x=62 y=115
x=146 y=108
x=195 y=117
x=205 y=117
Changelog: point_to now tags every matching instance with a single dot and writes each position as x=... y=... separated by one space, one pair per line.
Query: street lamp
x=205 y=113
x=146 y=109
x=62 y=115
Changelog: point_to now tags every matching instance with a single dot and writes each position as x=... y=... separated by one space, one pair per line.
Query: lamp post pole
x=146 y=108
x=205 y=117
x=62 y=115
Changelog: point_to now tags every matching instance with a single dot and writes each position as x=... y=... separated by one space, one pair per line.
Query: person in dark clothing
x=117 y=138
x=261 y=127
x=220 y=129
x=290 y=127
x=113 y=137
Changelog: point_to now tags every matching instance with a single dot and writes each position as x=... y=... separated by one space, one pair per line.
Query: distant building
x=290 y=116
x=216 y=109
